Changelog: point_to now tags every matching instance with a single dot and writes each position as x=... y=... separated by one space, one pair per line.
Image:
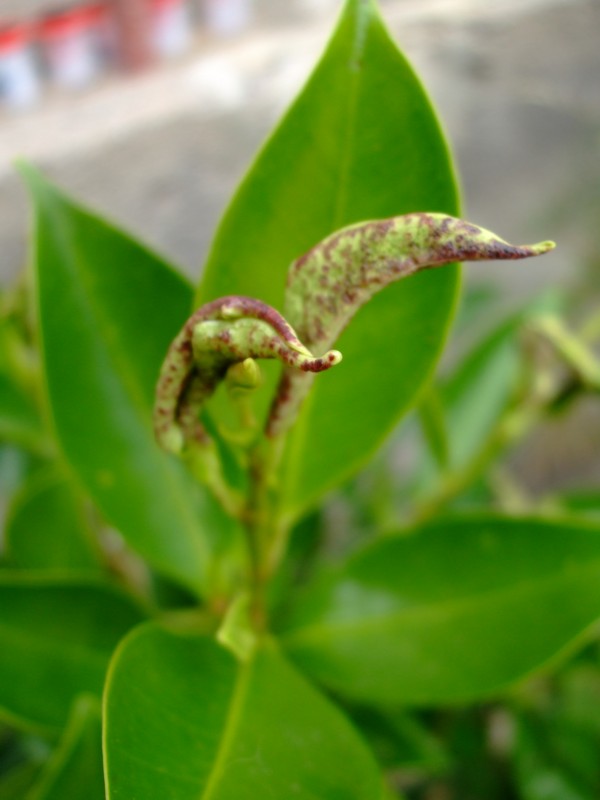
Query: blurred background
x=150 y=110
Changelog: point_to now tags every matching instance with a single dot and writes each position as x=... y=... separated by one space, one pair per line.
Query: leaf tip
x=542 y=247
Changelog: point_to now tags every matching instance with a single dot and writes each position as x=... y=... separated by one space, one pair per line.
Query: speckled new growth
x=326 y=287
x=218 y=337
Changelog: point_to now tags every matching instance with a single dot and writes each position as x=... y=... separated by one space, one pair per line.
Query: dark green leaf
x=15 y=783
x=400 y=741
x=185 y=720
x=361 y=142
x=540 y=775
x=75 y=770
x=56 y=638
x=21 y=759
x=108 y=309
x=454 y=612
x=47 y=526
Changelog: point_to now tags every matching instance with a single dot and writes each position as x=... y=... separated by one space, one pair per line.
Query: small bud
x=222 y=340
x=244 y=375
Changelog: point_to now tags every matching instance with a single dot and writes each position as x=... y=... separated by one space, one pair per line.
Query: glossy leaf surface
x=47 y=527
x=108 y=309
x=75 y=771
x=454 y=612
x=185 y=720
x=374 y=151
x=56 y=638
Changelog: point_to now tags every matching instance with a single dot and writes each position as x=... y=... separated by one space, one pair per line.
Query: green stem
x=572 y=349
x=510 y=430
x=257 y=521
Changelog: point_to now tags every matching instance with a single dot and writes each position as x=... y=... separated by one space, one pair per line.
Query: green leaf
x=455 y=612
x=19 y=420
x=56 y=638
x=433 y=425
x=541 y=775
x=21 y=760
x=582 y=502
x=15 y=783
x=374 y=152
x=185 y=720
x=75 y=771
x=478 y=391
x=400 y=741
x=47 y=527
x=108 y=310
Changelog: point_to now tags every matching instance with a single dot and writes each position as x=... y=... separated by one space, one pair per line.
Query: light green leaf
x=75 y=771
x=185 y=720
x=433 y=425
x=455 y=612
x=108 y=309
x=47 y=526
x=56 y=638
x=361 y=142
x=478 y=391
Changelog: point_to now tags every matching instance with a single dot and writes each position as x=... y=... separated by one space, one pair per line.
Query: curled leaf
x=220 y=340
x=331 y=282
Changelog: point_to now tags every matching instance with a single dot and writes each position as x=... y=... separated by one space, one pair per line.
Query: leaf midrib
x=232 y=719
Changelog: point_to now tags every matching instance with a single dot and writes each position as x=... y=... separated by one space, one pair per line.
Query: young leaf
x=452 y=613
x=56 y=638
x=374 y=152
x=107 y=311
x=328 y=285
x=47 y=527
x=75 y=770
x=185 y=720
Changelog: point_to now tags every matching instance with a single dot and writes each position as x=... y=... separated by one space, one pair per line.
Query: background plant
x=406 y=613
